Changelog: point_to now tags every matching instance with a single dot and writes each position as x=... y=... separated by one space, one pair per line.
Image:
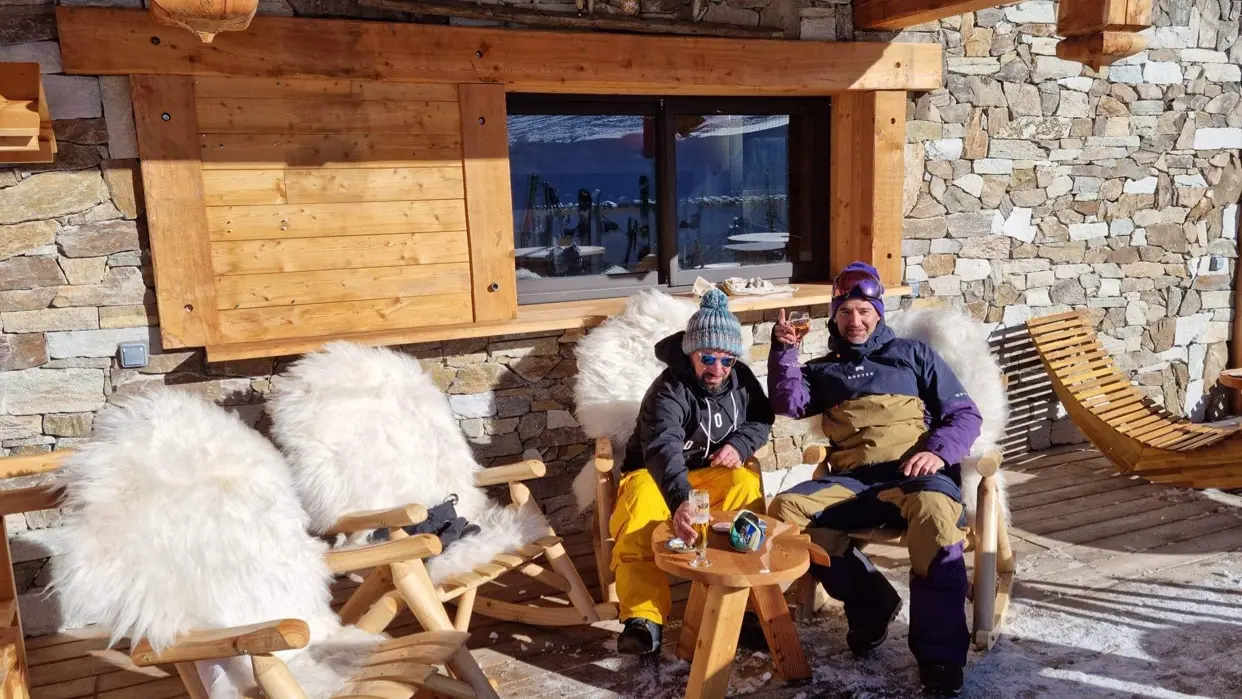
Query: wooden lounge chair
x=381 y=596
x=412 y=447
x=397 y=669
x=1135 y=433
x=184 y=534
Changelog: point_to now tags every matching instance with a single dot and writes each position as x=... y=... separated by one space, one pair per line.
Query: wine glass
x=800 y=321
x=700 y=521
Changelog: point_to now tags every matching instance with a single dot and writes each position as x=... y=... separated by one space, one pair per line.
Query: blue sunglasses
x=710 y=359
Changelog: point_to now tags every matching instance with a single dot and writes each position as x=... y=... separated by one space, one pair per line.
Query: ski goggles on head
x=711 y=359
x=857 y=283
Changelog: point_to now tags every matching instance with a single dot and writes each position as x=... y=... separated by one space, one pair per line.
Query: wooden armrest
x=815 y=454
x=32 y=499
x=603 y=455
x=210 y=644
x=378 y=519
x=407 y=549
x=14 y=466
x=521 y=471
x=989 y=463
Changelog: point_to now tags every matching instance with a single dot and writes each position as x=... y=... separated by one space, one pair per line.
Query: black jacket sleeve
x=752 y=434
x=662 y=433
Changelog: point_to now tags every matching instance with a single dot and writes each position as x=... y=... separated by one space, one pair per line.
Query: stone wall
x=1033 y=185
x=1036 y=185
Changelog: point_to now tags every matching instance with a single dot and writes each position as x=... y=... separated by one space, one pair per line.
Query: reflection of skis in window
x=631 y=239
x=528 y=218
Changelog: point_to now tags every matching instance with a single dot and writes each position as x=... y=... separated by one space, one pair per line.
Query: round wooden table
x=1232 y=378
x=718 y=600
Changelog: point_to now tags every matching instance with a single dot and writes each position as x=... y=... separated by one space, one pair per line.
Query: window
x=613 y=195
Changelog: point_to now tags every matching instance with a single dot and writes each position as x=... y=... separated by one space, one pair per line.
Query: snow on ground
x=1174 y=635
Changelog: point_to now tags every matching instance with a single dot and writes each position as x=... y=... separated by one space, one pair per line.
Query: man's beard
x=714 y=390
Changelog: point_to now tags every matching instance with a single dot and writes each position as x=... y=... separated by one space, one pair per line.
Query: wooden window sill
x=546 y=317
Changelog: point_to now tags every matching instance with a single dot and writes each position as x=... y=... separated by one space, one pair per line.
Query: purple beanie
x=877 y=304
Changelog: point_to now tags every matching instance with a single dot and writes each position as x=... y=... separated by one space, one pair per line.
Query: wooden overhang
x=1096 y=32
x=253 y=146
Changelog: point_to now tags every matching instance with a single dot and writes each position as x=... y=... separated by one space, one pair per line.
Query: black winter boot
x=639 y=637
x=871 y=602
x=869 y=624
x=941 y=679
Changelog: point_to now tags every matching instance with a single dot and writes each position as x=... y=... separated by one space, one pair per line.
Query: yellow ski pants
x=641 y=586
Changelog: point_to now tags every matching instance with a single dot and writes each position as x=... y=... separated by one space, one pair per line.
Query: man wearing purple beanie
x=900 y=424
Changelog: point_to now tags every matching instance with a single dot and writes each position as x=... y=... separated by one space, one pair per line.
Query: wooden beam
x=489 y=211
x=867 y=167
x=172 y=180
x=98 y=41
x=1100 y=32
x=535 y=18
x=894 y=15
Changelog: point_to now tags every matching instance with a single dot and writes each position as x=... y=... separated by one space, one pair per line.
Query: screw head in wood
x=482 y=121
x=493 y=287
x=189 y=308
x=155 y=41
x=166 y=116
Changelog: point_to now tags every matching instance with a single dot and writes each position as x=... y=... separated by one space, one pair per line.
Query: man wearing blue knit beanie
x=699 y=423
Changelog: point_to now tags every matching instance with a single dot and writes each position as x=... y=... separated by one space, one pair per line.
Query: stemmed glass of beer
x=700 y=521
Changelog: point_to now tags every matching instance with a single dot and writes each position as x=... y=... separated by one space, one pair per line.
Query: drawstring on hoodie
x=707 y=429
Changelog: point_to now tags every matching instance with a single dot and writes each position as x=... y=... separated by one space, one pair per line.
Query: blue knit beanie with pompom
x=713 y=327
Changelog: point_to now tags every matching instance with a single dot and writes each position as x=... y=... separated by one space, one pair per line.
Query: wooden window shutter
x=285 y=213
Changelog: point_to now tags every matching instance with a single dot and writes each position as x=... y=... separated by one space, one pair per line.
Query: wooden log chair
x=963 y=343
x=1135 y=433
x=368 y=434
x=182 y=532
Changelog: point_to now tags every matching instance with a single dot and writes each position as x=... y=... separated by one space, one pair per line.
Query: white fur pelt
x=616 y=366
x=177 y=517
x=963 y=344
x=364 y=429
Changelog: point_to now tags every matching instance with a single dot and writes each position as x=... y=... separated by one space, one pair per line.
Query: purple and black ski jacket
x=884 y=400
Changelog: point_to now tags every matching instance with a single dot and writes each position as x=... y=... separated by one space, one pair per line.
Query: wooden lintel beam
x=97 y=41
x=895 y=15
x=536 y=18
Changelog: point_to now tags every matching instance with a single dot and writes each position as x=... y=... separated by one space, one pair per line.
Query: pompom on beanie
x=713 y=327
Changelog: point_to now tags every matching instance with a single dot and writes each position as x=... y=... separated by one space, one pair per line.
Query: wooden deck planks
x=1102 y=528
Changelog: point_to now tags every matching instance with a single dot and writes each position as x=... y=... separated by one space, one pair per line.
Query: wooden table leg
x=690 y=622
x=778 y=629
x=717 y=642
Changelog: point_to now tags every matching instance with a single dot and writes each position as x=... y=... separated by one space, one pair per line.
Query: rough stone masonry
x=1033 y=185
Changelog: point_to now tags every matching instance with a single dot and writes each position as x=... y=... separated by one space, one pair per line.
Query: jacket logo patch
x=859 y=373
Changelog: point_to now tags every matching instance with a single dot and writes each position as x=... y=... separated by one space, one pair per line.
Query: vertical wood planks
x=867 y=168
x=489 y=213
x=168 y=143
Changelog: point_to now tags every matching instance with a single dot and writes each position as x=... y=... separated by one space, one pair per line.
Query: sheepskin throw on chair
x=365 y=429
x=179 y=517
x=963 y=343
